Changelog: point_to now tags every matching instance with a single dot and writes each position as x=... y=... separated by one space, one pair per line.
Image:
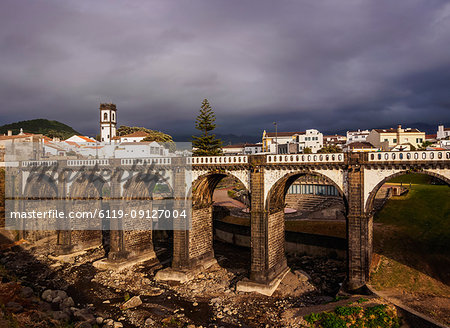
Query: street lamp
x=276 y=137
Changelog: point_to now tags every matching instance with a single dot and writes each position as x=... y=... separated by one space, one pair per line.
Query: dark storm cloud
x=323 y=64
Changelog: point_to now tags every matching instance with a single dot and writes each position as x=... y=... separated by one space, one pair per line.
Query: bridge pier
x=359 y=226
x=268 y=261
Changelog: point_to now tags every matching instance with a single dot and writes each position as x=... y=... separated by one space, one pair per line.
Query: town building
x=388 y=139
x=108 y=121
x=360 y=146
x=242 y=149
x=137 y=136
x=357 y=136
x=442 y=132
x=292 y=142
x=335 y=140
x=80 y=139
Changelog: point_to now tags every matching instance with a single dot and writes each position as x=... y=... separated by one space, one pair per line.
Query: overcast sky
x=329 y=65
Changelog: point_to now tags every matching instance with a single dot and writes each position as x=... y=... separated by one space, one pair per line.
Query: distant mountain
x=40 y=126
x=227 y=139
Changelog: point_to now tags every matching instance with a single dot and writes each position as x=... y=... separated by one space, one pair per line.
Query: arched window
x=105 y=116
x=113 y=116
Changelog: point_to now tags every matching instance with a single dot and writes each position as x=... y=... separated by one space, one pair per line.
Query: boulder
x=133 y=302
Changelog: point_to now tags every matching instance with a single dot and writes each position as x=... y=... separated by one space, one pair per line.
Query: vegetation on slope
x=40 y=126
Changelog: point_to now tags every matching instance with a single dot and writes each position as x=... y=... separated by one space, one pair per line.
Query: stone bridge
x=357 y=177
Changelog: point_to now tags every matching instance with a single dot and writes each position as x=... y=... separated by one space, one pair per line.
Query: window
x=395 y=140
x=113 y=116
x=105 y=116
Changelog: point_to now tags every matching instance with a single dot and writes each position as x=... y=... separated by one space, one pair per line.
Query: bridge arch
x=275 y=219
x=43 y=189
x=86 y=193
x=372 y=193
x=194 y=247
x=276 y=194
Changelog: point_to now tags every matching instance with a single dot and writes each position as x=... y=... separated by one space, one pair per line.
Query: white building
x=250 y=149
x=140 y=150
x=108 y=121
x=137 y=136
x=442 y=132
x=357 y=136
x=81 y=139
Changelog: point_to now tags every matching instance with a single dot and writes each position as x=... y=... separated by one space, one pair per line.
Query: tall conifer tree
x=206 y=144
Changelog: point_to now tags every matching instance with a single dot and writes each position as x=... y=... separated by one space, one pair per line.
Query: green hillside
x=40 y=126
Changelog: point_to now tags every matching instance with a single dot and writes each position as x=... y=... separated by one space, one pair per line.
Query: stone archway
x=40 y=189
x=274 y=206
x=86 y=193
x=194 y=247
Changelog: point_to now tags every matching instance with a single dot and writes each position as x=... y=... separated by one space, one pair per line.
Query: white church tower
x=108 y=120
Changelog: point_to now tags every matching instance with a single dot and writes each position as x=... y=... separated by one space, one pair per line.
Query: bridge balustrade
x=142 y=161
x=220 y=160
x=38 y=163
x=306 y=158
x=87 y=162
x=410 y=156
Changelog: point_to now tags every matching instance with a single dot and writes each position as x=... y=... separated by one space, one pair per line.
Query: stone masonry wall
x=201 y=233
x=275 y=238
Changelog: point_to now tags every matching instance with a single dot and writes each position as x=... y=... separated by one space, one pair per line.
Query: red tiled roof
x=86 y=139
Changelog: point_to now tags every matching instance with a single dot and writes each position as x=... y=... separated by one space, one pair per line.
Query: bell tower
x=108 y=120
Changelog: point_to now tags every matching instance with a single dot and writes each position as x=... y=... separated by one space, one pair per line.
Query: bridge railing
x=147 y=161
x=306 y=158
x=219 y=160
x=87 y=162
x=409 y=156
x=38 y=163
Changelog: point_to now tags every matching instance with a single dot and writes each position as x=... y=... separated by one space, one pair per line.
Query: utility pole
x=276 y=137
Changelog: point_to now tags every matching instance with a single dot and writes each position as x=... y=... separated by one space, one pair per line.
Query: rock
x=149 y=322
x=108 y=323
x=83 y=315
x=14 y=307
x=48 y=295
x=57 y=300
x=26 y=292
x=61 y=294
x=84 y=324
x=99 y=320
x=118 y=325
x=195 y=304
x=133 y=302
x=68 y=302
x=106 y=302
x=60 y=315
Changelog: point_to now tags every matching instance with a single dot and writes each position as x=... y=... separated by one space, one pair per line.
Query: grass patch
x=423 y=214
x=413 y=178
x=355 y=316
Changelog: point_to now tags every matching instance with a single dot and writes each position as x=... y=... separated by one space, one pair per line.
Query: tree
x=153 y=135
x=330 y=149
x=307 y=150
x=424 y=145
x=206 y=144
